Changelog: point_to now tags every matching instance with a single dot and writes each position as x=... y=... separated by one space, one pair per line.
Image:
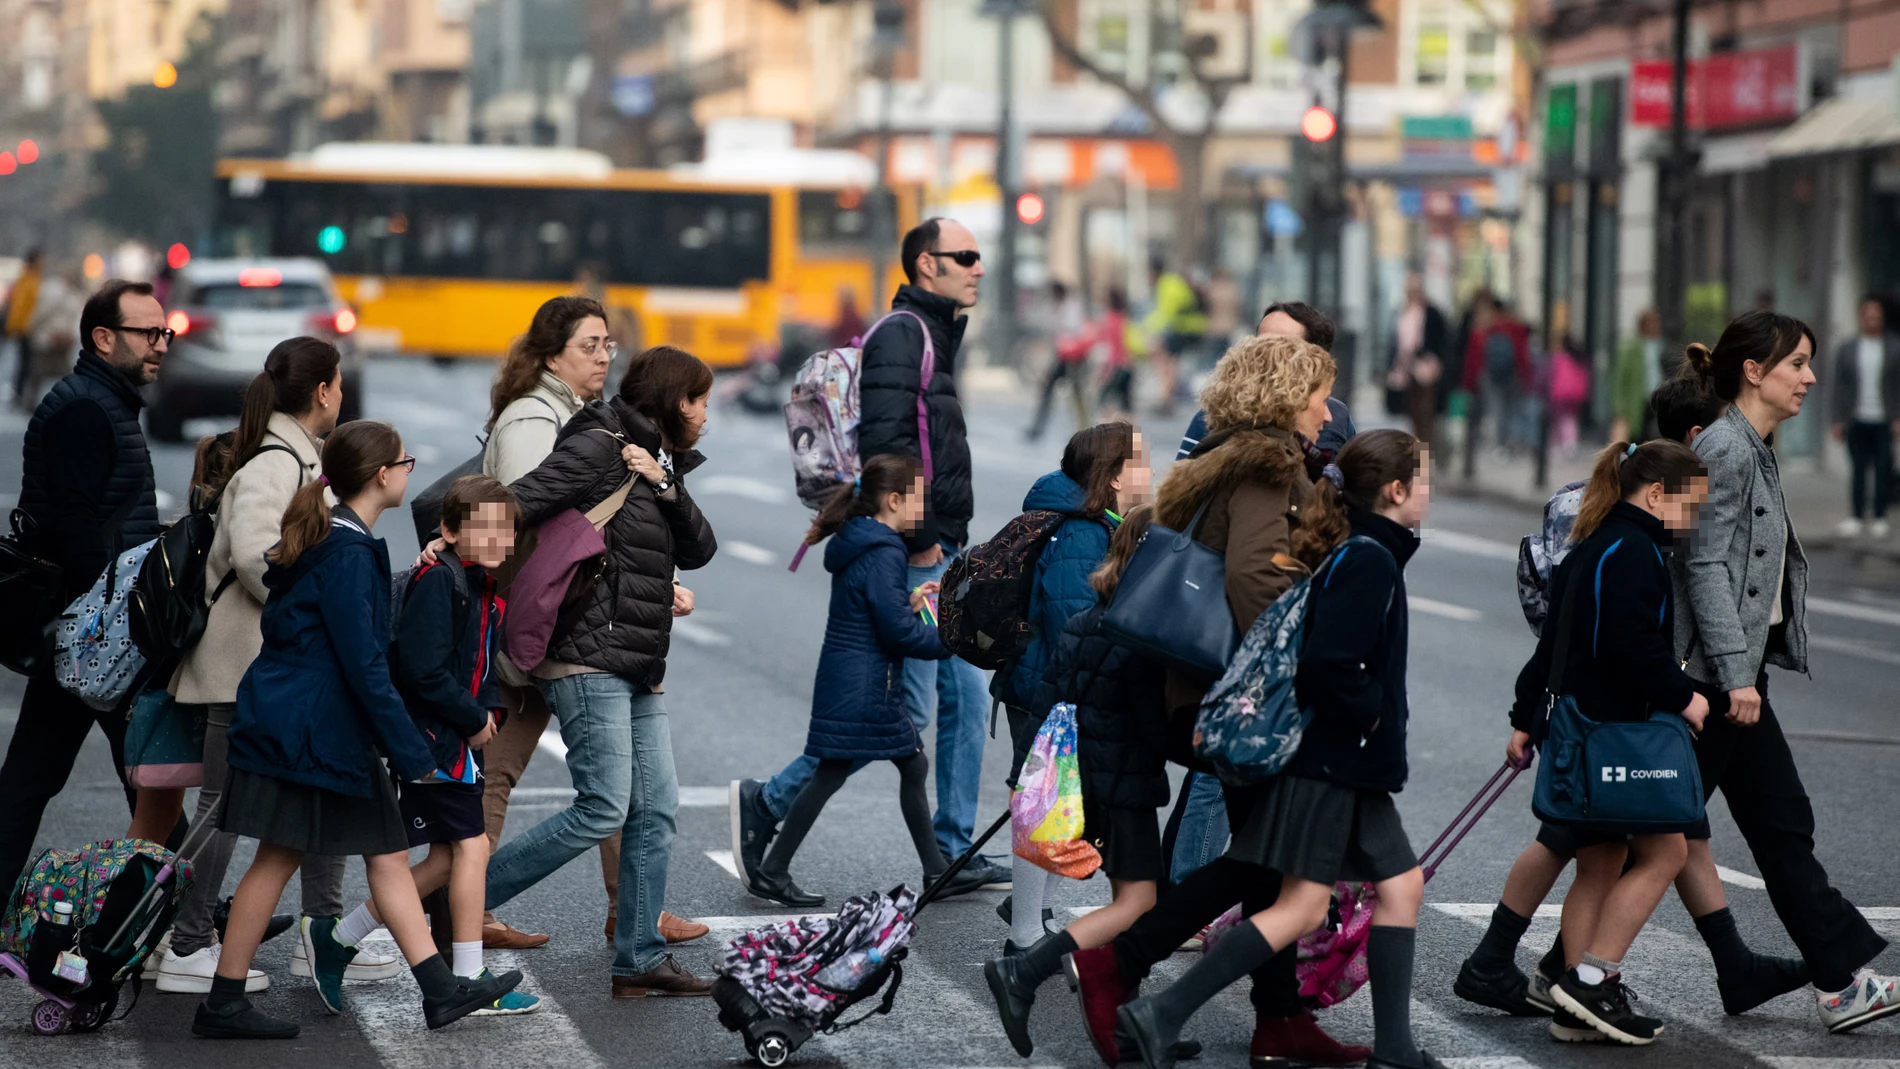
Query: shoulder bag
x=1171 y=605
x=563 y=543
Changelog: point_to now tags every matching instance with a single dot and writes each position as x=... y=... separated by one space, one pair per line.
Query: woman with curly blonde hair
x=1239 y=492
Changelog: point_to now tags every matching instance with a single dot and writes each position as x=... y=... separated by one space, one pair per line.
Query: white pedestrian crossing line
x=723 y=858
x=1446 y=609
x=1509 y=1061
x=1787 y=1061
x=389 y=1016
x=1848 y=610
x=1474 y=546
x=1741 y=879
x=743 y=486
x=690 y=797
x=750 y=553
x=699 y=634
x=1853 y=648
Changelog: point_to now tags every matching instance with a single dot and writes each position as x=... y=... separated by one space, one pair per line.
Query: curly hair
x=553 y=324
x=1265 y=380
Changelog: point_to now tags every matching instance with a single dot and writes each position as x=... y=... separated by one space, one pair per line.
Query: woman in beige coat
x=253 y=473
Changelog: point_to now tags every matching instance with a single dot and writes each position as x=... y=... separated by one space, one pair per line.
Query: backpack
x=30 y=589
x=811 y=969
x=425 y=509
x=1538 y=555
x=167 y=607
x=403 y=582
x=94 y=656
x=822 y=416
x=1250 y=724
x=983 y=610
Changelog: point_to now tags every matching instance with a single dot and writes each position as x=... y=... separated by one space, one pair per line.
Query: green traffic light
x=330 y=239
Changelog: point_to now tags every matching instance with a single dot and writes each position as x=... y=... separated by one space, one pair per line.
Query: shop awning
x=1844 y=124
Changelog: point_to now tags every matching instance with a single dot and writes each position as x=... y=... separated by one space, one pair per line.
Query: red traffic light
x=8 y=164
x=1029 y=208
x=28 y=151
x=1318 y=124
x=177 y=256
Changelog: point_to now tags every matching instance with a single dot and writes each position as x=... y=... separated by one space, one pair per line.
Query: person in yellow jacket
x=1177 y=323
x=21 y=301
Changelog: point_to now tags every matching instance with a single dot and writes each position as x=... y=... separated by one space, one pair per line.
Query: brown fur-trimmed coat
x=1255 y=484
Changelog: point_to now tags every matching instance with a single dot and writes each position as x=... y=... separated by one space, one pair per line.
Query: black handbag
x=30 y=589
x=1171 y=605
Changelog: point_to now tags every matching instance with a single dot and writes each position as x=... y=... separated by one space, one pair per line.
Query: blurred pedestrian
x=1635 y=372
x=1121 y=343
x=1176 y=325
x=1743 y=584
x=16 y=321
x=288 y=409
x=1498 y=371
x=848 y=328
x=1866 y=402
x=1415 y=373
x=1568 y=390
x=88 y=492
x=307 y=754
x=606 y=663
x=1072 y=337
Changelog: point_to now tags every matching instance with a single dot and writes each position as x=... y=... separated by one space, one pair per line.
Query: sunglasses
x=406 y=463
x=963 y=257
x=152 y=334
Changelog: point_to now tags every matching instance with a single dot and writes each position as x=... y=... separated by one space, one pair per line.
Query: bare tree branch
x=1071 y=54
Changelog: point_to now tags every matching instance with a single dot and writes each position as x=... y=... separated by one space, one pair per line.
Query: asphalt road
x=738 y=689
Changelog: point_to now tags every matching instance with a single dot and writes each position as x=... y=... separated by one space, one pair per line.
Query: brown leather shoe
x=667 y=979
x=673 y=929
x=499 y=936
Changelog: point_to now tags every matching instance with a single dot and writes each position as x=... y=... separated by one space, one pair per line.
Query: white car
x=227 y=315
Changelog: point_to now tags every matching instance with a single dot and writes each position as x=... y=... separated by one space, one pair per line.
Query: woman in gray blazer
x=1743 y=580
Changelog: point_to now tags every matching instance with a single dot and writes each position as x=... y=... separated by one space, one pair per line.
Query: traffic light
x=1318 y=124
x=1030 y=209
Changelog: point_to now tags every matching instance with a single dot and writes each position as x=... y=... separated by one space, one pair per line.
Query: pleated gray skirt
x=1322 y=832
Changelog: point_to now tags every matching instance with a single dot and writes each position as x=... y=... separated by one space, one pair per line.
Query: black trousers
x=1771 y=808
x=53 y=725
x=1186 y=907
x=1870 y=447
x=1076 y=373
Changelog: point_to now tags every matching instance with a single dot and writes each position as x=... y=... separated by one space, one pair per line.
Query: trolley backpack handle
x=935 y=890
x=1468 y=817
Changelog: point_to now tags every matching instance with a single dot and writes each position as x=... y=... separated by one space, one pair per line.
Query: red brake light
x=183 y=323
x=345 y=321
x=340 y=322
x=260 y=276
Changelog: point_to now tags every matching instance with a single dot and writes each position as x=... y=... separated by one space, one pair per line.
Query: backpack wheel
x=773 y=1050
x=93 y=1016
x=49 y=1018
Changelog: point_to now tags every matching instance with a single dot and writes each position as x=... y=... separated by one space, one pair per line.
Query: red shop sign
x=1726 y=90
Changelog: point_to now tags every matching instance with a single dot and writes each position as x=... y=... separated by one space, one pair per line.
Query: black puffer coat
x=624 y=621
x=1120 y=712
x=893 y=363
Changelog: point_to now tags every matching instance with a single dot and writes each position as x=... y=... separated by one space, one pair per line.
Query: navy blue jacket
x=1121 y=714
x=1331 y=437
x=857 y=701
x=1352 y=666
x=1061 y=588
x=892 y=365
x=317 y=705
x=1622 y=663
x=442 y=660
x=85 y=457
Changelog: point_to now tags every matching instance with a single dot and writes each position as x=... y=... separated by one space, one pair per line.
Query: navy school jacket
x=1061 y=589
x=857 y=703
x=442 y=660
x=318 y=706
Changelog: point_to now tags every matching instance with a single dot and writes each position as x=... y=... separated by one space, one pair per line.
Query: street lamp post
x=1676 y=173
x=1005 y=330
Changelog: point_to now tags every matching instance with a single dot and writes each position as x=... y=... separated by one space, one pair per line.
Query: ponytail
x=1622 y=469
x=887 y=474
x=352 y=456
x=292 y=373
x=1365 y=466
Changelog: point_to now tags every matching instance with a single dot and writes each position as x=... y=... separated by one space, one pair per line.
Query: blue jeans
x=620 y=757
x=963 y=698
x=1203 y=833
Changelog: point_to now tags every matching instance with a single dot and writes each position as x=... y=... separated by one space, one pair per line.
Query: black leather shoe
x=240 y=1020
x=1015 y=997
x=1501 y=988
x=471 y=994
x=1766 y=978
x=752 y=826
x=782 y=891
x=1137 y=1025
x=279 y=922
x=1425 y=1061
x=1006 y=911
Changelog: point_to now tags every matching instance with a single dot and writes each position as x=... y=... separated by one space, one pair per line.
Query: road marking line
x=1510 y=1061
x=1851 y=611
x=723 y=858
x=690 y=797
x=750 y=553
x=745 y=922
x=1881 y=913
x=1791 y=1061
x=1482 y=910
x=743 y=486
x=1474 y=546
x=1854 y=649
x=389 y=1015
x=699 y=634
x=1741 y=879
x=1445 y=609
x=552 y=744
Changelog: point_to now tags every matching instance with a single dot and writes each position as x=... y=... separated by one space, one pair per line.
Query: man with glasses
x=945 y=268
x=88 y=490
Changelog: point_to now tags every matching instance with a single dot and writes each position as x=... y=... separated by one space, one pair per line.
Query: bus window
x=836 y=220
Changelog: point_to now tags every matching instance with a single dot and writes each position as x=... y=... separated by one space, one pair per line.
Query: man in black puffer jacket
x=87 y=485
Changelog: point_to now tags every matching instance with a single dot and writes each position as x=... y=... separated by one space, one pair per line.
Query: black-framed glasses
x=407 y=463
x=152 y=334
x=963 y=257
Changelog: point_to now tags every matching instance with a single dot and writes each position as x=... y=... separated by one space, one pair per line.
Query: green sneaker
x=328 y=959
x=512 y=1004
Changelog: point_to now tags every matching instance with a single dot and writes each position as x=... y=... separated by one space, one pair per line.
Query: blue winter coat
x=857 y=702
x=317 y=705
x=1062 y=585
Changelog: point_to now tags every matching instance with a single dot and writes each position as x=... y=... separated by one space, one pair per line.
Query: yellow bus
x=447 y=250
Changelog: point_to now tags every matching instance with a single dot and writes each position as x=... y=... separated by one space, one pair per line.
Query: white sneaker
x=1848 y=528
x=1878 y=530
x=1869 y=999
x=366 y=966
x=152 y=960
x=191 y=974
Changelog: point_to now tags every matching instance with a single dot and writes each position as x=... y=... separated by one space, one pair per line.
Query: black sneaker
x=1001 y=876
x=471 y=994
x=781 y=890
x=972 y=877
x=1501 y=987
x=1567 y=1027
x=752 y=825
x=240 y=1020
x=279 y=922
x=1014 y=996
x=1606 y=1008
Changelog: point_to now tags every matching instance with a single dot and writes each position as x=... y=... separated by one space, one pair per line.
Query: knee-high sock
x=1239 y=952
x=1029 y=884
x=1389 y=968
